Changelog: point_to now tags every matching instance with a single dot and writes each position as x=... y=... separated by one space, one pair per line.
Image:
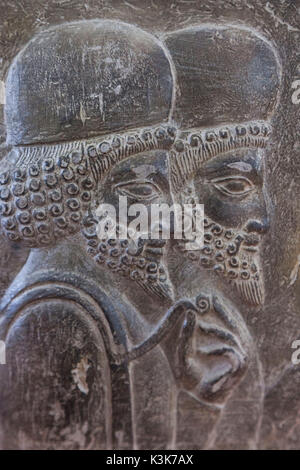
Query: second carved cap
x=225 y=74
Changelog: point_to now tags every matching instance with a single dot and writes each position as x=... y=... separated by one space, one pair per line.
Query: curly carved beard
x=141 y=262
x=234 y=255
x=231 y=253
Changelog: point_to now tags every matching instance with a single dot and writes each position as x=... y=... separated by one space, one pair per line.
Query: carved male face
x=143 y=179
x=227 y=78
x=231 y=188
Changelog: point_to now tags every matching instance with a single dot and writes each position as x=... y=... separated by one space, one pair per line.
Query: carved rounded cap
x=86 y=78
x=224 y=74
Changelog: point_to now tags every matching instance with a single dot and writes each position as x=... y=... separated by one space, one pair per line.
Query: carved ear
x=45 y=202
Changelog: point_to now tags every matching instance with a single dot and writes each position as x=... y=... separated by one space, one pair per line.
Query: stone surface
x=155 y=346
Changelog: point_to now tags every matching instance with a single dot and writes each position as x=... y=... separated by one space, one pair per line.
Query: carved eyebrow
x=241 y=166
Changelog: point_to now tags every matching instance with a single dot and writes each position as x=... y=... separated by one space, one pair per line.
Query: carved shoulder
x=60 y=365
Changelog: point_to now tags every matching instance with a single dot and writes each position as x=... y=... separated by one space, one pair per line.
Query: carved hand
x=210 y=355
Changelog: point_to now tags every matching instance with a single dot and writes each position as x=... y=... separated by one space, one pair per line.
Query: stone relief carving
x=113 y=344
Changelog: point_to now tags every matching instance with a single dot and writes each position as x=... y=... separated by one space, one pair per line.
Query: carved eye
x=233 y=185
x=139 y=191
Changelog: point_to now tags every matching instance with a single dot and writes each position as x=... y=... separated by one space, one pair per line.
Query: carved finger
x=237 y=359
x=184 y=344
x=216 y=381
x=224 y=313
x=217 y=331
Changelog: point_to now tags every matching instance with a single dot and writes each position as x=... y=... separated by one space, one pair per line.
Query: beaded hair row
x=192 y=148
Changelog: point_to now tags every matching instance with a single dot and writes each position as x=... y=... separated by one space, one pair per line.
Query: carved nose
x=258 y=226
